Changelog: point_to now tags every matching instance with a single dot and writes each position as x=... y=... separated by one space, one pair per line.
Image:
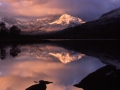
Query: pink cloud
x=38 y=8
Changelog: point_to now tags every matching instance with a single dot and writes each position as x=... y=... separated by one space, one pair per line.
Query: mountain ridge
x=68 y=19
x=42 y=25
x=105 y=27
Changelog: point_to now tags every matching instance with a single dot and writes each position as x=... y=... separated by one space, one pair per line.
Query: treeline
x=12 y=30
x=13 y=34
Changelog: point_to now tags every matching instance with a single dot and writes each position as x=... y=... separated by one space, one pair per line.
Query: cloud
x=37 y=8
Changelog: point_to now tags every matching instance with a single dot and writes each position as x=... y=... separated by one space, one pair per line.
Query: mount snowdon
x=105 y=27
x=69 y=20
x=43 y=25
x=69 y=27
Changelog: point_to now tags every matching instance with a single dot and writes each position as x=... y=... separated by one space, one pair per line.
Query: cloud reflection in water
x=20 y=72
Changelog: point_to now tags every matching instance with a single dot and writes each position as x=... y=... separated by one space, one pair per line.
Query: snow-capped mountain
x=105 y=27
x=66 y=19
x=47 y=24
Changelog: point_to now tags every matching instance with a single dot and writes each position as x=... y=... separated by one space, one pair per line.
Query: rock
x=105 y=78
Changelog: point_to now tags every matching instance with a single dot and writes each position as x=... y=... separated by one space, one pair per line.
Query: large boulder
x=105 y=78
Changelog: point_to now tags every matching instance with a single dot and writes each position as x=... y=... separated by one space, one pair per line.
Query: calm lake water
x=62 y=63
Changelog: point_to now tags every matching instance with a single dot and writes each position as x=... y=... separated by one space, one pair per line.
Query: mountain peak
x=45 y=24
x=67 y=19
x=64 y=16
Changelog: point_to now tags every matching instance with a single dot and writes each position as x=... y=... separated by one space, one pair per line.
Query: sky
x=88 y=9
x=35 y=63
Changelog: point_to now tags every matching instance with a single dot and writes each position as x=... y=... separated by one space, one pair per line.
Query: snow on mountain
x=51 y=53
x=9 y=21
x=47 y=24
x=67 y=57
x=66 y=19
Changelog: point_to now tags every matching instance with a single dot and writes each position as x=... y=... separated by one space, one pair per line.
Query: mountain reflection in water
x=23 y=64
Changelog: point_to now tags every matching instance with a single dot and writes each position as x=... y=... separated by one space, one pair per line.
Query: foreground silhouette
x=105 y=78
x=40 y=86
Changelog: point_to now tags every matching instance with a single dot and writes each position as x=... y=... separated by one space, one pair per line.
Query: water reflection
x=13 y=51
x=24 y=64
x=2 y=53
x=42 y=51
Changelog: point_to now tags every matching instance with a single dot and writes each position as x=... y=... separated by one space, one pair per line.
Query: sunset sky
x=89 y=9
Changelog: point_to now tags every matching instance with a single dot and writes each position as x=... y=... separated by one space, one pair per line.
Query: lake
x=65 y=63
